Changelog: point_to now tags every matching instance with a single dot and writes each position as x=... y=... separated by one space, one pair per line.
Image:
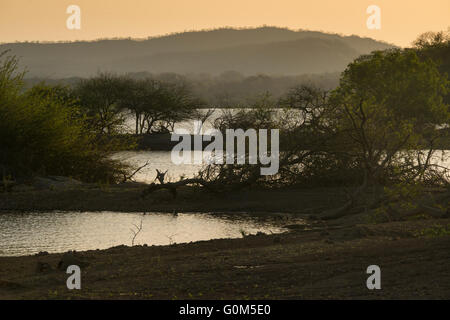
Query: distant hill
x=269 y=50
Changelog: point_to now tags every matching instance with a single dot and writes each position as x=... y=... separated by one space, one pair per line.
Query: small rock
x=69 y=259
x=43 y=267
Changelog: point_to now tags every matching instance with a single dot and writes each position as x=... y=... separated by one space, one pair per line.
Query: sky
x=45 y=20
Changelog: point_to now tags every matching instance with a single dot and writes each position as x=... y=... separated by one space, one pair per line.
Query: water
x=161 y=160
x=30 y=233
x=130 y=124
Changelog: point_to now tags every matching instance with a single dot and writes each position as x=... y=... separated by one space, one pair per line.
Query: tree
x=432 y=39
x=157 y=106
x=178 y=104
x=63 y=94
x=42 y=133
x=100 y=98
x=436 y=46
x=141 y=98
x=387 y=109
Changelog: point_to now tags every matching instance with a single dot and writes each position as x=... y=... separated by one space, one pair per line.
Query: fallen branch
x=172 y=186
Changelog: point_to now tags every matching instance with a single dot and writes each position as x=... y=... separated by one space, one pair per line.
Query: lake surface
x=161 y=160
x=30 y=233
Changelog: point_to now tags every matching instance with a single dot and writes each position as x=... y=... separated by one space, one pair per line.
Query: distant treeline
x=228 y=90
x=370 y=129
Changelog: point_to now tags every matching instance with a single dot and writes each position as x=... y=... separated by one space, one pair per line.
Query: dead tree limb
x=136 y=232
x=130 y=177
x=160 y=176
x=171 y=186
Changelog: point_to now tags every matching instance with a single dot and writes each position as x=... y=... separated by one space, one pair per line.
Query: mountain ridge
x=216 y=51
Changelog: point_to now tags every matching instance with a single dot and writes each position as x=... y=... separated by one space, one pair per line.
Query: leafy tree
x=140 y=97
x=432 y=39
x=157 y=106
x=42 y=133
x=178 y=104
x=100 y=98
x=387 y=110
x=436 y=46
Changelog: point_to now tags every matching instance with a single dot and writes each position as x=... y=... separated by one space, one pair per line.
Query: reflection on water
x=162 y=160
x=29 y=233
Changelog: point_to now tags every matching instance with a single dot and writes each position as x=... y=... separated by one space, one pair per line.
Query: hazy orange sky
x=401 y=20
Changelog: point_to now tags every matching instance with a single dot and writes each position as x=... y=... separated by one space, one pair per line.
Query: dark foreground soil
x=323 y=263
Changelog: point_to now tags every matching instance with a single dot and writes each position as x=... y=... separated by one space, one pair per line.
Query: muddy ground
x=325 y=262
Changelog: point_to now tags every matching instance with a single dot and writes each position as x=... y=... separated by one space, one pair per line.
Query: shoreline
x=127 y=198
x=163 y=142
x=328 y=260
x=325 y=263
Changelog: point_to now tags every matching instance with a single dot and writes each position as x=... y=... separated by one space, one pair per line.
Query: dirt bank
x=127 y=198
x=329 y=262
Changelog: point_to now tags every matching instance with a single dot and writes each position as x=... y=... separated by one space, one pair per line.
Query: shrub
x=43 y=134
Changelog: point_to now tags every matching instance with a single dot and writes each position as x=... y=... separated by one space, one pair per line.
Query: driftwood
x=219 y=183
x=171 y=186
x=160 y=176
